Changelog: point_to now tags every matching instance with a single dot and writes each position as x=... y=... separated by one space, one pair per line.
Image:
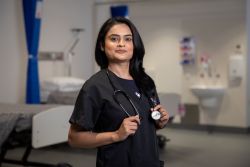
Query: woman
x=113 y=109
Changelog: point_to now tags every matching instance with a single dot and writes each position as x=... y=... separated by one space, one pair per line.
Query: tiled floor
x=186 y=148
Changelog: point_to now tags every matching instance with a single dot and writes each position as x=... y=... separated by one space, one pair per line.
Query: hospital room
x=197 y=52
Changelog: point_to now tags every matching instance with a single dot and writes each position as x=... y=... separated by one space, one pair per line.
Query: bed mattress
x=60 y=97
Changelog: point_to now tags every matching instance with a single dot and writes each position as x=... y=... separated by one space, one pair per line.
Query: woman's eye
x=128 y=39
x=114 y=39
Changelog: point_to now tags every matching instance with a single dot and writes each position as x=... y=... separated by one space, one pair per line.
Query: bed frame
x=49 y=127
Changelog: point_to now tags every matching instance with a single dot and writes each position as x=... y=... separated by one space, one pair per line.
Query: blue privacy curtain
x=121 y=10
x=32 y=20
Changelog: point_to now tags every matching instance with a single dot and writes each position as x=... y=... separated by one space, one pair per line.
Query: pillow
x=62 y=84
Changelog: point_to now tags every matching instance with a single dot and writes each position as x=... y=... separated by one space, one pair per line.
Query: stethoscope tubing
x=118 y=91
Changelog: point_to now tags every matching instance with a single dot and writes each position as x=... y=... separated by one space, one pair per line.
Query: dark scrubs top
x=96 y=110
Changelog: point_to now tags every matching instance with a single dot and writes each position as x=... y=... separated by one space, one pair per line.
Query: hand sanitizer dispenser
x=236 y=67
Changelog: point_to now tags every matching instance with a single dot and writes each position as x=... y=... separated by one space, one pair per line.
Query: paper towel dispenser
x=236 y=67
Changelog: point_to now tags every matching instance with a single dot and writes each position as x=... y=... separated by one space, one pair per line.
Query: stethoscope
x=156 y=115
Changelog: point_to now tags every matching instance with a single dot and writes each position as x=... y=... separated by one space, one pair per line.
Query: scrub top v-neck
x=96 y=110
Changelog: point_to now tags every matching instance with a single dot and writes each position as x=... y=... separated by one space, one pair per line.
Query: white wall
x=218 y=26
x=248 y=62
x=12 y=52
x=59 y=17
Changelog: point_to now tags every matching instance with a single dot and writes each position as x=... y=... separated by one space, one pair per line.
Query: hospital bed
x=171 y=102
x=60 y=90
x=36 y=126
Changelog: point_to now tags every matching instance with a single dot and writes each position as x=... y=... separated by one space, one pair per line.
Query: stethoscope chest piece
x=156 y=115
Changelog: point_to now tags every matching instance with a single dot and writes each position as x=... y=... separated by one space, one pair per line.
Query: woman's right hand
x=89 y=139
x=128 y=127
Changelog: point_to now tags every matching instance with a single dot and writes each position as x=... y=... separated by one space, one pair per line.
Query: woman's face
x=118 y=45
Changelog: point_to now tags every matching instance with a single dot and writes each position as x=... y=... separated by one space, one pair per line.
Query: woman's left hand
x=164 y=116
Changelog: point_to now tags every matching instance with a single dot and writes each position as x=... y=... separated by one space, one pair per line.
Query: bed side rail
x=51 y=126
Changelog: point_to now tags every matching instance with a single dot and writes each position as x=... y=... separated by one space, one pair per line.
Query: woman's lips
x=120 y=51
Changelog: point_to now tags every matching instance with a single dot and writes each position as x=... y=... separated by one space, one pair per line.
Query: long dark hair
x=136 y=70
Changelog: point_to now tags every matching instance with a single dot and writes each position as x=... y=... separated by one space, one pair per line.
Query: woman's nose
x=121 y=43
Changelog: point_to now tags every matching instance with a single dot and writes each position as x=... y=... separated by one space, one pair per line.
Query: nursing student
x=117 y=110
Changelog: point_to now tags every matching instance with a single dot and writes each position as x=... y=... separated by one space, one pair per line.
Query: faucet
x=209 y=71
x=206 y=65
x=209 y=68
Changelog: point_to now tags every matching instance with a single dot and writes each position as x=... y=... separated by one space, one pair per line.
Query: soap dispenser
x=236 y=67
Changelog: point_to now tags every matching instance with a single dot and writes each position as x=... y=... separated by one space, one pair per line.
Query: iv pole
x=70 y=52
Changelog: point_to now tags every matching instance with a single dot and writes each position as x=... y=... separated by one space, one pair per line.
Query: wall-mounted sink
x=209 y=96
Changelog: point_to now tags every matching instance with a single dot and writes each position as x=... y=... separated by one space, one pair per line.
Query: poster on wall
x=187 y=50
